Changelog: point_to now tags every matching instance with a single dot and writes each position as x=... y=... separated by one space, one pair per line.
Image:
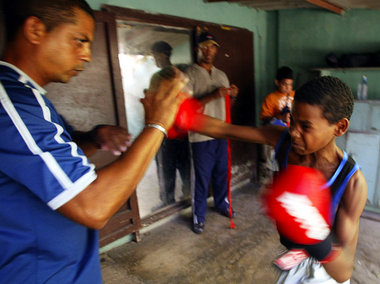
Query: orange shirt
x=274 y=103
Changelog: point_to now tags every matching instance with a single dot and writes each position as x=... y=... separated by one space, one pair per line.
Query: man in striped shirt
x=52 y=200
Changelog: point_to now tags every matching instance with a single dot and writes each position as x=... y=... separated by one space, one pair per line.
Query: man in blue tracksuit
x=210 y=86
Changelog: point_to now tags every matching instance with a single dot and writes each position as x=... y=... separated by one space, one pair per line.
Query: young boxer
x=321 y=112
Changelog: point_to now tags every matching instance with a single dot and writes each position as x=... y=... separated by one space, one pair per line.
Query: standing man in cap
x=210 y=86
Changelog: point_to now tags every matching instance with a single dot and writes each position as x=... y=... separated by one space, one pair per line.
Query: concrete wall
x=362 y=141
x=306 y=36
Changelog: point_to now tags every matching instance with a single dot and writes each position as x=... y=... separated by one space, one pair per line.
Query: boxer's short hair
x=331 y=94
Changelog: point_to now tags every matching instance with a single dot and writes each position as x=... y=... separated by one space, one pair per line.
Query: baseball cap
x=207 y=37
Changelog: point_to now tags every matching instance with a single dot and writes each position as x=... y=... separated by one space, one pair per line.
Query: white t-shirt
x=202 y=83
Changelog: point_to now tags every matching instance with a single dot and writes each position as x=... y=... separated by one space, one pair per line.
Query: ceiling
x=336 y=6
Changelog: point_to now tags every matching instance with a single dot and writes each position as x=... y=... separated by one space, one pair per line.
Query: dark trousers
x=173 y=155
x=210 y=164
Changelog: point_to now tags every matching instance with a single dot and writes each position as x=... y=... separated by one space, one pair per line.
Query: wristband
x=319 y=251
x=335 y=251
x=157 y=126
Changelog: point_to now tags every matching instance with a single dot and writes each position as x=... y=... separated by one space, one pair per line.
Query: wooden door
x=96 y=97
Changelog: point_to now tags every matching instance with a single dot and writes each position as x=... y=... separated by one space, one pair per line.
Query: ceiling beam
x=326 y=5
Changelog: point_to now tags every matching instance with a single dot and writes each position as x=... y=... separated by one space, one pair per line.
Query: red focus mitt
x=299 y=202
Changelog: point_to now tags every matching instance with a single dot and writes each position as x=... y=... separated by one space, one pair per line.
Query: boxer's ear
x=341 y=127
x=34 y=30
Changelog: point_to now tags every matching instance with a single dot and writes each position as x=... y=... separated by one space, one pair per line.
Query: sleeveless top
x=337 y=182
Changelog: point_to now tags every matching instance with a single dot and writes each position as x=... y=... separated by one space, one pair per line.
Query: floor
x=172 y=253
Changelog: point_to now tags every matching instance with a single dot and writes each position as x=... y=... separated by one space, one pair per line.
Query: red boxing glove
x=299 y=202
x=184 y=119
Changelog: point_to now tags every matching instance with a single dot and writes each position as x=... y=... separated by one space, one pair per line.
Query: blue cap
x=207 y=37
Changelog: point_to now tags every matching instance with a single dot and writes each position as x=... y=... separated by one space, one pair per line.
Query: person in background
x=275 y=102
x=52 y=200
x=209 y=85
x=174 y=153
x=275 y=110
x=161 y=51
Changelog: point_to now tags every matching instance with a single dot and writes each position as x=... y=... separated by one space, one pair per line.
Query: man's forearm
x=209 y=97
x=95 y=205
